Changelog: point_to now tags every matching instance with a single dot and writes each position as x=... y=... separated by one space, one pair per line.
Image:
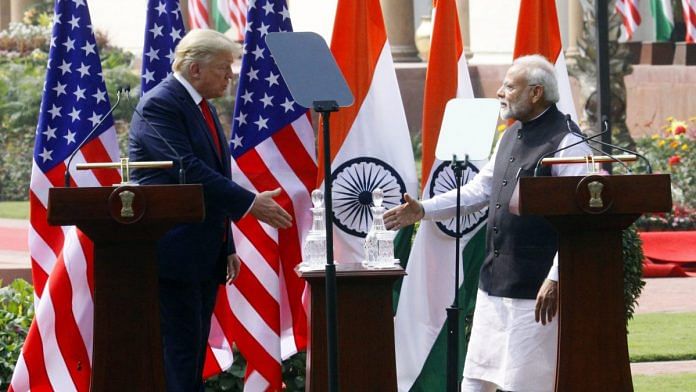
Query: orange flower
x=674 y=160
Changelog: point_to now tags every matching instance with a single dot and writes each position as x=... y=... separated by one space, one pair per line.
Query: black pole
x=453 y=383
x=603 y=86
x=324 y=108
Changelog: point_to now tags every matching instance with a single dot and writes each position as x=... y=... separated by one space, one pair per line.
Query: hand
x=268 y=211
x=233 y=266
x=405 y=214
x=546 y=302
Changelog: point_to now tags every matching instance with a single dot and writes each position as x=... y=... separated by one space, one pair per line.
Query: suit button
x=519 y=135
x=512 y=159
x=495 y=229
x=504 y=182
x=497 y=206
x=496 y=253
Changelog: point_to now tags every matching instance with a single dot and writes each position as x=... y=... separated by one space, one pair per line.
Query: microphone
x=585 y=139
x=182 y=171
x=605 y=125
x=582 y=135
x=89 y=135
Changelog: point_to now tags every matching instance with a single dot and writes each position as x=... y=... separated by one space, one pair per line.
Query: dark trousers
x=185 y=311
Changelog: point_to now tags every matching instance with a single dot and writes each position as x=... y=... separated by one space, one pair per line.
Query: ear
x=537 y=93
x=194 y=70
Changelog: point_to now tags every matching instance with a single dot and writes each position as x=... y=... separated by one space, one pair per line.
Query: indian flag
x=664 y=19
x=370 y=144
x=230 y=15
x=428 y=288
x=538 y=33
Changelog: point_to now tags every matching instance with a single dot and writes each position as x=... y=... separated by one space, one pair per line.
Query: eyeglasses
x=508 y=88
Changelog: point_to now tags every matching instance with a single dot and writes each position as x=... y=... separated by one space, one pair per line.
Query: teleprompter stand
x=467 y=131
x=314 y=80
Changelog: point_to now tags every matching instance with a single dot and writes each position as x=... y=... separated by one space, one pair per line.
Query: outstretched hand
x=406 y=214
x=268 y=211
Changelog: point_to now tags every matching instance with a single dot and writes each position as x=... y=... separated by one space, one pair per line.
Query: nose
x=500 y=93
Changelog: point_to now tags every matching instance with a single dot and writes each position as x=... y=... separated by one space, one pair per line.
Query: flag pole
x=325 y=108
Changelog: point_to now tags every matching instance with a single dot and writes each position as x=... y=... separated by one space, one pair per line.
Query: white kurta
x=508 y=347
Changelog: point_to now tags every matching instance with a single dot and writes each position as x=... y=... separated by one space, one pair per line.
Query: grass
x=14 y=209
x=665 y=383
x=662 y=337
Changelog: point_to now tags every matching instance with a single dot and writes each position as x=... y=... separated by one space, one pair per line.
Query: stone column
x=463 y=11
x=574 y=28
x=398 y=18
x=18 y=7
x=4 y=14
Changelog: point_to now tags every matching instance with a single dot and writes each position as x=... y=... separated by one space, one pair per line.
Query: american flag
x=630 y=15
x=164 y=28
x=689 y=9
x=58 y=350
x=273 y=146
x=198 y=14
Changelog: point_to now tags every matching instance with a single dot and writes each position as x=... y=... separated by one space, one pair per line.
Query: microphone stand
x=453 y=312
x=182 y=171
x=325 y=108
x=89 y=135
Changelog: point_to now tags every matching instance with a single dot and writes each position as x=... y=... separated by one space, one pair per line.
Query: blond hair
x=201 y=46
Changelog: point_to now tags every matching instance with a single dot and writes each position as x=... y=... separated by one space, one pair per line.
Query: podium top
x=353 y=270
x=592 y=195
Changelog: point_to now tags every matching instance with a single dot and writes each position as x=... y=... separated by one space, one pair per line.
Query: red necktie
x=208 y=116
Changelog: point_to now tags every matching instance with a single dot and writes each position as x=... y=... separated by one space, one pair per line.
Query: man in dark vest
x=514 y=334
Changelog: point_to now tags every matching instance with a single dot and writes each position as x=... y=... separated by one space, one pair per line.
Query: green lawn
x=14 y=209
x=665 y=383
x=662 y=337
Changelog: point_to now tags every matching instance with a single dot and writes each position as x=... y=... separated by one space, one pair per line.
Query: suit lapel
x=195 y=111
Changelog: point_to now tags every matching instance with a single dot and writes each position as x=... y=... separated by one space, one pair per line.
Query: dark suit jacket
x=189 y=252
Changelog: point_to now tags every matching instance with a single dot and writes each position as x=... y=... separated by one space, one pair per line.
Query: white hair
x=201 y=46
x=538 y=70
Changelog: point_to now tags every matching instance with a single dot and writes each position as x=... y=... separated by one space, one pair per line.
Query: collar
x=540 y=118
x=540 y=114
x=197 y=98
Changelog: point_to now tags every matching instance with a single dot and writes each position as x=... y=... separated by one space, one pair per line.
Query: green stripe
x=663 y=22
x=433 y=376
x=219 y=21
x=402 y=249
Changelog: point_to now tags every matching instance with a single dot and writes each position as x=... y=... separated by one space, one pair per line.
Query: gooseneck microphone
x=582 y=135
x=182 y=171
x=89 y=135
x=605 y=125
x=584 y=139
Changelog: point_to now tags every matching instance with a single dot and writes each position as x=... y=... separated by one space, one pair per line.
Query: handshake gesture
x=405 y=214
x=268 y=211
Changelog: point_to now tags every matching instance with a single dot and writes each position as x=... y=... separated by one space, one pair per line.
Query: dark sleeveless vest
x=520 y=250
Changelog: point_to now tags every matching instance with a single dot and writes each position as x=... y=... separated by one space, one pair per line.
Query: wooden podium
x=589 y=214
x=124 y=223
x=366 y=358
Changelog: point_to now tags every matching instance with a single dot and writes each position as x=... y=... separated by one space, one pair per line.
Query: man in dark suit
x=193 y=259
